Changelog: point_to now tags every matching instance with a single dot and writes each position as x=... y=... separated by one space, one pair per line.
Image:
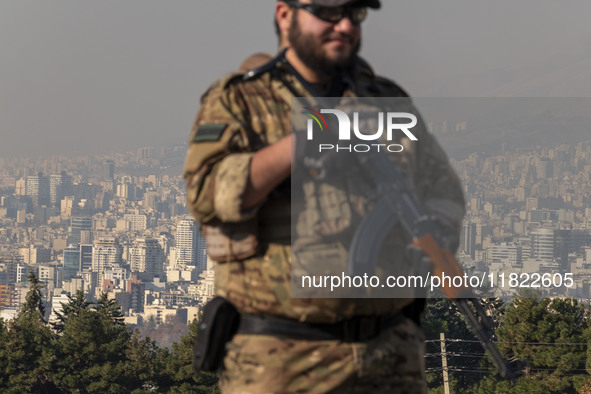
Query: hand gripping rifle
x=398 y=205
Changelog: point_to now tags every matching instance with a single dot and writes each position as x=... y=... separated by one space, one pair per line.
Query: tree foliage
x=74 y=307
x=548 y=338
x=180 y=367
x=90 y=350
x=28 y=347
x=443 y=316
x=33 y=306
x=544 y=339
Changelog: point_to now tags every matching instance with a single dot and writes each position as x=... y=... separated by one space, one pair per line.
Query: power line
x=455 y=354
x=475 y=356
x=512 y=343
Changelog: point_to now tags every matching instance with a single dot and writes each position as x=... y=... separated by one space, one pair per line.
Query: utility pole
x=444 y=363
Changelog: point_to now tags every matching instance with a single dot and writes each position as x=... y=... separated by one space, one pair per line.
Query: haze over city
x=99 y=255
x=99 y=77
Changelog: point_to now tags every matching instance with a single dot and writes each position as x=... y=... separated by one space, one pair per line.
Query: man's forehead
x=337 y=3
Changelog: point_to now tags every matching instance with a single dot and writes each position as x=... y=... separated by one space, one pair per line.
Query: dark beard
x=311 y=54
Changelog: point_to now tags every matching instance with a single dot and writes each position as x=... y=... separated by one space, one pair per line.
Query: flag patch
x=209 y=132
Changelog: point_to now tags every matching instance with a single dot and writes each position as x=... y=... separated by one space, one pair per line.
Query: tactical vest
x=255 y=255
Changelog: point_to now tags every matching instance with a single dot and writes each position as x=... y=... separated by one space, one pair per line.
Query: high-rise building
x=146 y=255
x=22 y=271
x=469 y=238
x=108 y=170
x=71 y=261
x=35 y=255
x=190 y=245
x=50 y=275
x=541 y=215
x=166 y=242
x=60 y=186
x=186 y=241
x=57 y=306
x=542 y=244
x=137 y=290
x=38 y=189
x=107 y=253
x=10 y=266
x=137 y=222
x=21 y=187
x=563 y=245
x=86 y=257
x=123 y=190
x=531 y=203
x=6 y=296
x=544 y=168
x=66 y=206
x=115 y=276
x=150 y=200
x=580 y=238
x=145 y=153
x=507 y=253
x=80 y=227
x=42 y=214
x=201 y=252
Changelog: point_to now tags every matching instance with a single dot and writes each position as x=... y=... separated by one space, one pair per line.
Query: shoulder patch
x=209 y=132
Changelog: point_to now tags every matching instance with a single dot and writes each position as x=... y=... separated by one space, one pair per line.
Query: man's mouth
x=341 y=40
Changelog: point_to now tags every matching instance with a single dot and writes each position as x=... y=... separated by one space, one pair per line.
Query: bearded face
x=321 y=47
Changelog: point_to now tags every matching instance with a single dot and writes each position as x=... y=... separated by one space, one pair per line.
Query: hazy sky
x=78 y=77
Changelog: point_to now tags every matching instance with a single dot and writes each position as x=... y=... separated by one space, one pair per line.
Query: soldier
x=237 y=165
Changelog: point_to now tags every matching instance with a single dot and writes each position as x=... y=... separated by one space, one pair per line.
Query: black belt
x=357 y=329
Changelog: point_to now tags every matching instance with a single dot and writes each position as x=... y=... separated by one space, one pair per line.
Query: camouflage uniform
x=236 y=119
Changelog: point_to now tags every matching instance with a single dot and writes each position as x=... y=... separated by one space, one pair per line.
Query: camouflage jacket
x=238 y=117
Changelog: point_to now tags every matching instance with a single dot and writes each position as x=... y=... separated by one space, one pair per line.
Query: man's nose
x=345 y=26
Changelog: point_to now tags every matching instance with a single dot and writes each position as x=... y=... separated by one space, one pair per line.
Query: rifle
x=398 y=205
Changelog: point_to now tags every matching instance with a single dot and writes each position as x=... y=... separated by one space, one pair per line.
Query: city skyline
x=511 y=194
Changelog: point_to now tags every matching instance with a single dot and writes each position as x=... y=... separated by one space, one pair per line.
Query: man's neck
x=306 y=72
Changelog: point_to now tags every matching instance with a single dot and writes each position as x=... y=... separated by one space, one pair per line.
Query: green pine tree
x=548 y=336
x=180 y=367
x=33 y=305
x=92 y=352
x=3 y=353
x=110 y=309
x=30 y=347
x=147 y=364
x=75 y=305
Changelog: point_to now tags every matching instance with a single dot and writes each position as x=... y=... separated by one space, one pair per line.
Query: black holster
x=217 y=326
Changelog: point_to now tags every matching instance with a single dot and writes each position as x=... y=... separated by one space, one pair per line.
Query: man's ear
x=283 y=15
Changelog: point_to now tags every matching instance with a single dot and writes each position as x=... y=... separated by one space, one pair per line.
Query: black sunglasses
x=356 y=14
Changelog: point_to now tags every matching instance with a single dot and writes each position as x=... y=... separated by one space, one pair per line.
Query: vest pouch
x=231 y=241
x=217 y=326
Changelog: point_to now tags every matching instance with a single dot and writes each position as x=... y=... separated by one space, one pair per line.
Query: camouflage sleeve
x=218 y=159
x=439 y=185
